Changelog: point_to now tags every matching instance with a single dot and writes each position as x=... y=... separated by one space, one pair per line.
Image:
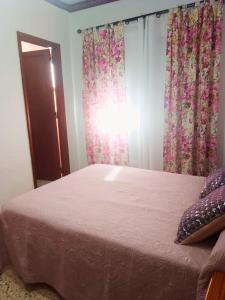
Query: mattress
x=107 y=233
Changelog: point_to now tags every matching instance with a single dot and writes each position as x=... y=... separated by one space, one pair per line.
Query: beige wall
x=41 y=19
x=27 y=47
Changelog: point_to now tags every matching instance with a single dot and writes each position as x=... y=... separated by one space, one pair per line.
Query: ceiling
x=75 y=5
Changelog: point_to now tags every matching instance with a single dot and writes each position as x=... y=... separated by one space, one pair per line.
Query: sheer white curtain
x=145 y=58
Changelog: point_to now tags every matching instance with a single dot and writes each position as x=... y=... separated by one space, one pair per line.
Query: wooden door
x=42 y=114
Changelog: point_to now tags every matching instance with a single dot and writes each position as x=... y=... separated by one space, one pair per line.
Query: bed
x=107 y=233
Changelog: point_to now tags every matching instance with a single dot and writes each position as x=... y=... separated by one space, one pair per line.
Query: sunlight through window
x=52 y=74
x=113 y=174
x=116 y=119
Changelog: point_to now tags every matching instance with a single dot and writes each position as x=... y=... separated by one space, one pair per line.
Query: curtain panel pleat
x=194 y=45
x=104 y=98
x=145 y=62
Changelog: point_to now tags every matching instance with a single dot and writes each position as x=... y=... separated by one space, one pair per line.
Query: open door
x=44 y=102
x=43 y=114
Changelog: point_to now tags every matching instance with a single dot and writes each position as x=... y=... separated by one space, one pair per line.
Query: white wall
x=96 y=16
x=35 y=17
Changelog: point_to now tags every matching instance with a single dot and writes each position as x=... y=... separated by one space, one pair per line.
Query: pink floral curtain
x=104 y=98
x=192 y=87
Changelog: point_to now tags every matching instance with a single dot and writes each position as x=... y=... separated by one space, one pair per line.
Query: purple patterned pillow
x=213 y=181
x=203 y=219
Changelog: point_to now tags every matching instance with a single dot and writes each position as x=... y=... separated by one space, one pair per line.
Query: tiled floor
x=12 y=288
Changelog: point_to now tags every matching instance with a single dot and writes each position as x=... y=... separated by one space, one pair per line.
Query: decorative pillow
x=213 y=181
x=203 y=219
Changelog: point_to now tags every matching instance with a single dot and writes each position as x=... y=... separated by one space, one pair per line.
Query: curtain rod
x=157 y=13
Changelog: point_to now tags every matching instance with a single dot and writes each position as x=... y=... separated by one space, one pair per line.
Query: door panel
x=39 y=94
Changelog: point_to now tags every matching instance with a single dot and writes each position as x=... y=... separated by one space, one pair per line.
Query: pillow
x=213 y=181
x=203 y=219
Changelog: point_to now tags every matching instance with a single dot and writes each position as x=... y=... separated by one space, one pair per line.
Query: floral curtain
x=104 y=98
x=191 y=99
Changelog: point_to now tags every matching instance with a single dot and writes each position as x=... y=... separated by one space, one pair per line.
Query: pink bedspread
x=106 y=233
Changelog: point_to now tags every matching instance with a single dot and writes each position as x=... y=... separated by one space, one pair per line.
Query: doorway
x=41 y=71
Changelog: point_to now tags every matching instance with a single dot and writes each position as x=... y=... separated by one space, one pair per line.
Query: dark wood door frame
x=56 y=58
